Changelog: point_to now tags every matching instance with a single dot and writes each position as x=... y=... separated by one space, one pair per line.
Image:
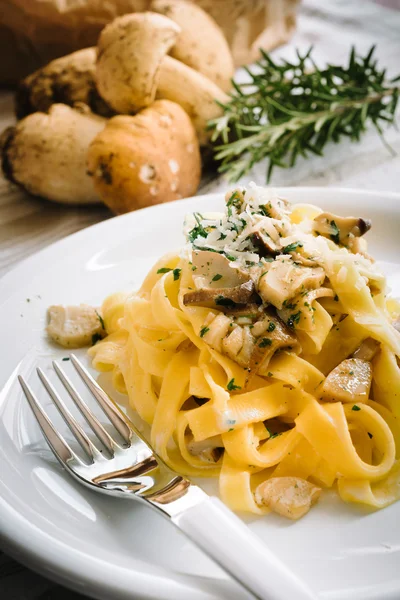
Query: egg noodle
x=265 y=353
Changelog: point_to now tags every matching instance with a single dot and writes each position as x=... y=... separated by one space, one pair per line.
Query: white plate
x=111 y=548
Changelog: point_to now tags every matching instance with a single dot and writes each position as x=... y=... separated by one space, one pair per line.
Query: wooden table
x=28 y=224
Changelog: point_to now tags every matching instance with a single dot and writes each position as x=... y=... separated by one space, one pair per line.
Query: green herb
x=296 y=108
x=294 y=319
x=231 y=429
x=355 y=407
x=335 y=236
x=230 y=257
x=351 y=372
x=231 y=387
x=336 y=298
x=163 y=270
x=198 y=230
x=194 y=268
x=177 y=273
x=203 y=331
x=264 y=210
x=235 y=200
x=222 y=301
x=271 y=435
x=100 y=318
x=270 y=374
x=292 y=247
x=289 y=305
x=95 y=338
x=217 y=277
x=264 y=343
x=65 y=358
x=271 y=326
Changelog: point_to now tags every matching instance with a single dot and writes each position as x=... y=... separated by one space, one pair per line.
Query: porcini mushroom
x=130 y=52
x=74 y=326
x=201 y=43
x=221 y=298
x=145 y=159
x=341 y=230
x=46 y=153
x=291 y=497
x=350 y=381
x=69 y=79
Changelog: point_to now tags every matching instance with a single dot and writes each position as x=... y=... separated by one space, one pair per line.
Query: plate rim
x=61 y=564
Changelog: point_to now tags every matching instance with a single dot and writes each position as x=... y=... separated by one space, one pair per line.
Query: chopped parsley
x=264 y=210
x=271 y=435
x=235 y=200
x=65 y=358
x=217 y=277
x=264 y=343
x=294 y=319
x=100 y=318
x=222 y=301
x=270 y=374
x=163 y=270
x=177 y=273
x=289 y=305
x=203 y=331
x=292 y=247
x=336 y=232
x=231 y=387
x=95 y=338
x=271 y=326
x=194 y=268
x=336 y=298
x=198 y=230
x=351 y=372
x=355 y=407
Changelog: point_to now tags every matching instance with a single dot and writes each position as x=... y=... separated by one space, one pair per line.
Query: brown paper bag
x=33 y=32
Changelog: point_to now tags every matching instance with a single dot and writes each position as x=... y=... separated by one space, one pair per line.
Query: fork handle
x=230 y=542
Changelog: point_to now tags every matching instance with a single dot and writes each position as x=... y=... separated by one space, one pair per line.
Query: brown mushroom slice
x=283 y=279
x=209 y=450
x=264 y=244
x=201 y=44
x=212 y=270
x=340 y=229
x=269 y=341
x=350 y=381
x=130 y=51
x=290 y=497
x=221 y=298
x=74 y=326
x=367 y=350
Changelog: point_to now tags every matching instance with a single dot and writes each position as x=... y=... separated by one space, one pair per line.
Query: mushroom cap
x=130 y=51
x=145 y=159
x=193 y=91
x=68 y=79
x=201 y=43
x=46 y=154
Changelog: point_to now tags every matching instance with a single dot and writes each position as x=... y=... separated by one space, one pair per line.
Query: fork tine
x=56 y=442
x=91 y=419
x=115 y=416
x=73 y=425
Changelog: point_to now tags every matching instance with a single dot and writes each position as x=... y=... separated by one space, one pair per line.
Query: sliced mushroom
x=201 y=43
x=222 y=298
x=264 y=244
x=130 y=51
x=368 y=349
x=74 y=326
x=350 y=381
x=213 y=270
x=340 y=229
x=209 y=450
x=291 y=497
x=283 y=279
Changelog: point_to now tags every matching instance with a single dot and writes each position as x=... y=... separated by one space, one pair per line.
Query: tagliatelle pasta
x=266 y=350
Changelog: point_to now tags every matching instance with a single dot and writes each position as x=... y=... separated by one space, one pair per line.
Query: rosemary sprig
x=296 y=108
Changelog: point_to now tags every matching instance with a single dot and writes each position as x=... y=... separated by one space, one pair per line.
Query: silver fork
x=134 y=470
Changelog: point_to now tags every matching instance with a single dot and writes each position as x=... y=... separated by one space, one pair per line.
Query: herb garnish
x=294 y=319
x=355 y=407
x=232 y=386
x=176 y=273
x=100 y=318
x=163 y=270
x=292 y=247
x=336 y=232
x=264 y=343
x=296 y=108
x=217 y=277
x=222 y=301
x=203 y=331
x=271 y=326
x=95 y=338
